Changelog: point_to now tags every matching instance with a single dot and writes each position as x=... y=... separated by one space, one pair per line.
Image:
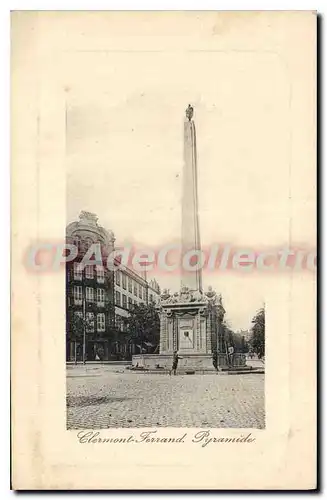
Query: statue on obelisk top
x=189 y=112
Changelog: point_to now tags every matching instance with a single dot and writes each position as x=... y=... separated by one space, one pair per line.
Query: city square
x=109 y=396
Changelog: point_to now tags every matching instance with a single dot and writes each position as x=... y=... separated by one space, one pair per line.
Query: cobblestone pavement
x=108 y=397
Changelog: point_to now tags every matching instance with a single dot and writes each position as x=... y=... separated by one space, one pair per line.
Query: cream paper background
x=50 y=50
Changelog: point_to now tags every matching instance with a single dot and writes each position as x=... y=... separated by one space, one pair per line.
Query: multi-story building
x=90 y=311
x=99 y=300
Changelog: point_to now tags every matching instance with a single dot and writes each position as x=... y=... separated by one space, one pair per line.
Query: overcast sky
x=125 y=154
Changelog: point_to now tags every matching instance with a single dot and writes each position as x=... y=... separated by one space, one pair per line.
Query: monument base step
x=188 y=362
x=237 y=368
x=258 y=371
x=147 y=371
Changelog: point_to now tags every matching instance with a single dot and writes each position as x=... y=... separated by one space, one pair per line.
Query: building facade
x=90 y=310
x=130 y=289
x=99 y=300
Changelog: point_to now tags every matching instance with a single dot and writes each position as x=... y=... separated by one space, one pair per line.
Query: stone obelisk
x=189 y=319
x=191 y=244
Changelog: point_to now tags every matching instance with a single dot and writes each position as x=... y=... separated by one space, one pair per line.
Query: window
x=100 y=274
x=130 y=285
x=123 y=325
x=118 y=278
x=78 y=317
x=89 y=322
x=140 y=291
x=101 y=322
x=89 y=294
x=144 y=294
x=130 y=303
x=124 y=280
x=135 y=289
x=77 y=242
x=124 y=301
x=100 y=296
x=78 y=271
x=88 y=242
x=89 y=272
x=77 y=294
x=119 y=322
x=118 y=303
x=110 y=319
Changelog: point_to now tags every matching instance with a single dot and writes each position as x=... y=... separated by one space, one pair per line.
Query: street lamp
x=84 y=316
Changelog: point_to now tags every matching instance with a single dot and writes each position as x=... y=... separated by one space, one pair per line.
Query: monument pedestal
x=185 y=326
x=190 y=323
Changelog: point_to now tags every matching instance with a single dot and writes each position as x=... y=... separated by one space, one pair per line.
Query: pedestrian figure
x=215 y=360
x=175 y=362
x=231 y=355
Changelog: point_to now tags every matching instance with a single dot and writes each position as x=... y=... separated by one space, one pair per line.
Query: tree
x=77 y=325
x=244 y=343
x=258 y=333
x=228 y=333
x=144 y=325
x=234 y=339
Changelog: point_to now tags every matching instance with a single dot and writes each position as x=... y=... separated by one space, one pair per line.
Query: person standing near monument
x=231 y=355
x=175 y=361
x=215 y=359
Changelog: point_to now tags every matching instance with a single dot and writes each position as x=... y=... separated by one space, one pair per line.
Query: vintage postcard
x=164 y=250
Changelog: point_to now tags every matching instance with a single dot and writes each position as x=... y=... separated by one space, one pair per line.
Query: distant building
x=247 y=334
